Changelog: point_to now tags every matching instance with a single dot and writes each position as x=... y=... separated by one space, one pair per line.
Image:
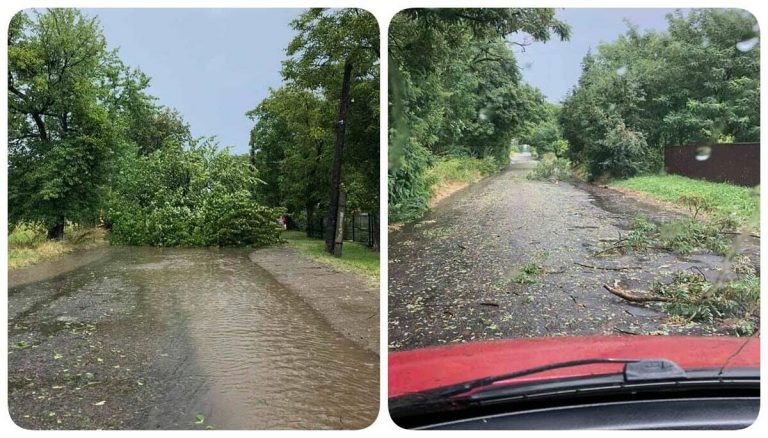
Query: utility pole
x=333 y=206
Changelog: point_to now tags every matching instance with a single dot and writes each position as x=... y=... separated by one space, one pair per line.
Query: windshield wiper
x=634 y=370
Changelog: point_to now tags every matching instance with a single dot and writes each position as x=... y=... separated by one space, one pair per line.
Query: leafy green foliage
x=682 y=236
x=63 y=94
x=693 y=83
x=455 y=91
x=545 y=136
x=621 y=154
x=529 y=273
x=696 y=299
x=551 y=168
x=27 y=243
x=26 y=236
x=292 y=140
x=459 y=169
x=199 y=197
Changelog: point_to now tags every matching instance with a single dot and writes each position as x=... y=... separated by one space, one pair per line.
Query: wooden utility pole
x=338 y=240
x=338 y=154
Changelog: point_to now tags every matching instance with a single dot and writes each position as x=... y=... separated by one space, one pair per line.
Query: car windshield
x=562 y=178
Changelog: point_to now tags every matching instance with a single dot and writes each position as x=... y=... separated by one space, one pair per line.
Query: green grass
x=743 y=202
x=460 y=169
x=355 y=257
x=28 y=245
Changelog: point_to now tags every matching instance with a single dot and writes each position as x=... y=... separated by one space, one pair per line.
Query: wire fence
x=358 y=227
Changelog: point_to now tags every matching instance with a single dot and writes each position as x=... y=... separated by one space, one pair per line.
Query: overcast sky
x=554 y=67
x=212 y=65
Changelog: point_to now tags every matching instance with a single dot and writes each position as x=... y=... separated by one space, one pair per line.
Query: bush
x=26 y=235
x=199 y=197
x=409 y=190
x=621 y=154
x=411 y=187
x=551 y=168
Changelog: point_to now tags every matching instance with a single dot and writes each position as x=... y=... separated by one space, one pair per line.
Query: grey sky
x=212 y=65
x=554 y=67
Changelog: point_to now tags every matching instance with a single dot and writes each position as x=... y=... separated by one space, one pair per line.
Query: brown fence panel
x=737 y=163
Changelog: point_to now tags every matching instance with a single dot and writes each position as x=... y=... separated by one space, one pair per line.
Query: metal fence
x=358 y=227
x=736 y=163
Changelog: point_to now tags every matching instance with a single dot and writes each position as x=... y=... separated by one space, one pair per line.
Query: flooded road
x=180 y=338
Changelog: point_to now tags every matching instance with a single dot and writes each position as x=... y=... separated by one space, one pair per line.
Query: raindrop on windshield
x=482 y=114
x=703 y=153
x=747 y=45
x=621 y=70
x=705 y=42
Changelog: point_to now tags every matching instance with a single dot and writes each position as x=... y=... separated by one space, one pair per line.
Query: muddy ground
x=347 y=301
x=451 y=274
x=151 y=338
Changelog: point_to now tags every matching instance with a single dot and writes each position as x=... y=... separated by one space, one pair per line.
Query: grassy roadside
x=448 y=175
x=722 y=198
x=355 y=258
x=27 y=244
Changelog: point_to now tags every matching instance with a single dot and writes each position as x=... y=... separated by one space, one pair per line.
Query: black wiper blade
x=634 y=370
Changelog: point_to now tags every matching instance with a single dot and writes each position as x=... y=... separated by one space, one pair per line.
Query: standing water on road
x=179 y=338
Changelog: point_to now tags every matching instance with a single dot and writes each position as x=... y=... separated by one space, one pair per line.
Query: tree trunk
x=375 y=224
x=310 y=219
x=338 y=241
x=333 y=207
x=56 y=232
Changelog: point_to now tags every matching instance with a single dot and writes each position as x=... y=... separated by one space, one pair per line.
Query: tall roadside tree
x=333 y=50
x=293 y=156
x=63 y=132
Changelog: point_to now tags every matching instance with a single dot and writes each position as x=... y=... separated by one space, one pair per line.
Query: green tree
x=200 y=195
x=696 y=82
x=63 y=86
x=455 y=90
x=320 y=131
x=290 y=146
x=334 y=49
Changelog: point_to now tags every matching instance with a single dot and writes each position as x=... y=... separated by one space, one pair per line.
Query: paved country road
x=451 y=273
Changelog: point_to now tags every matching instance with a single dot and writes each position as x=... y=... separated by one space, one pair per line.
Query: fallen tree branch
x=632 y=297
x=740 y=233
x=607 y=268
x=626 y=332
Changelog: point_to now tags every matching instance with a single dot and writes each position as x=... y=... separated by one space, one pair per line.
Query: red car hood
x=428 y=368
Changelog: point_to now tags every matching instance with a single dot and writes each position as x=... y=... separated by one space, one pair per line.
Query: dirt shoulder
x=345 y=300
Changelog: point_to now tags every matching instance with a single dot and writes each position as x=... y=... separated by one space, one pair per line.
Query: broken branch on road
x=607 y=268
x=633 y=296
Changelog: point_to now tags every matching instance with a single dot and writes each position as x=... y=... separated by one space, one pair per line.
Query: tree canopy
x=696 y=82
x=292 y=140
x=89 y=145
x=456 y=90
